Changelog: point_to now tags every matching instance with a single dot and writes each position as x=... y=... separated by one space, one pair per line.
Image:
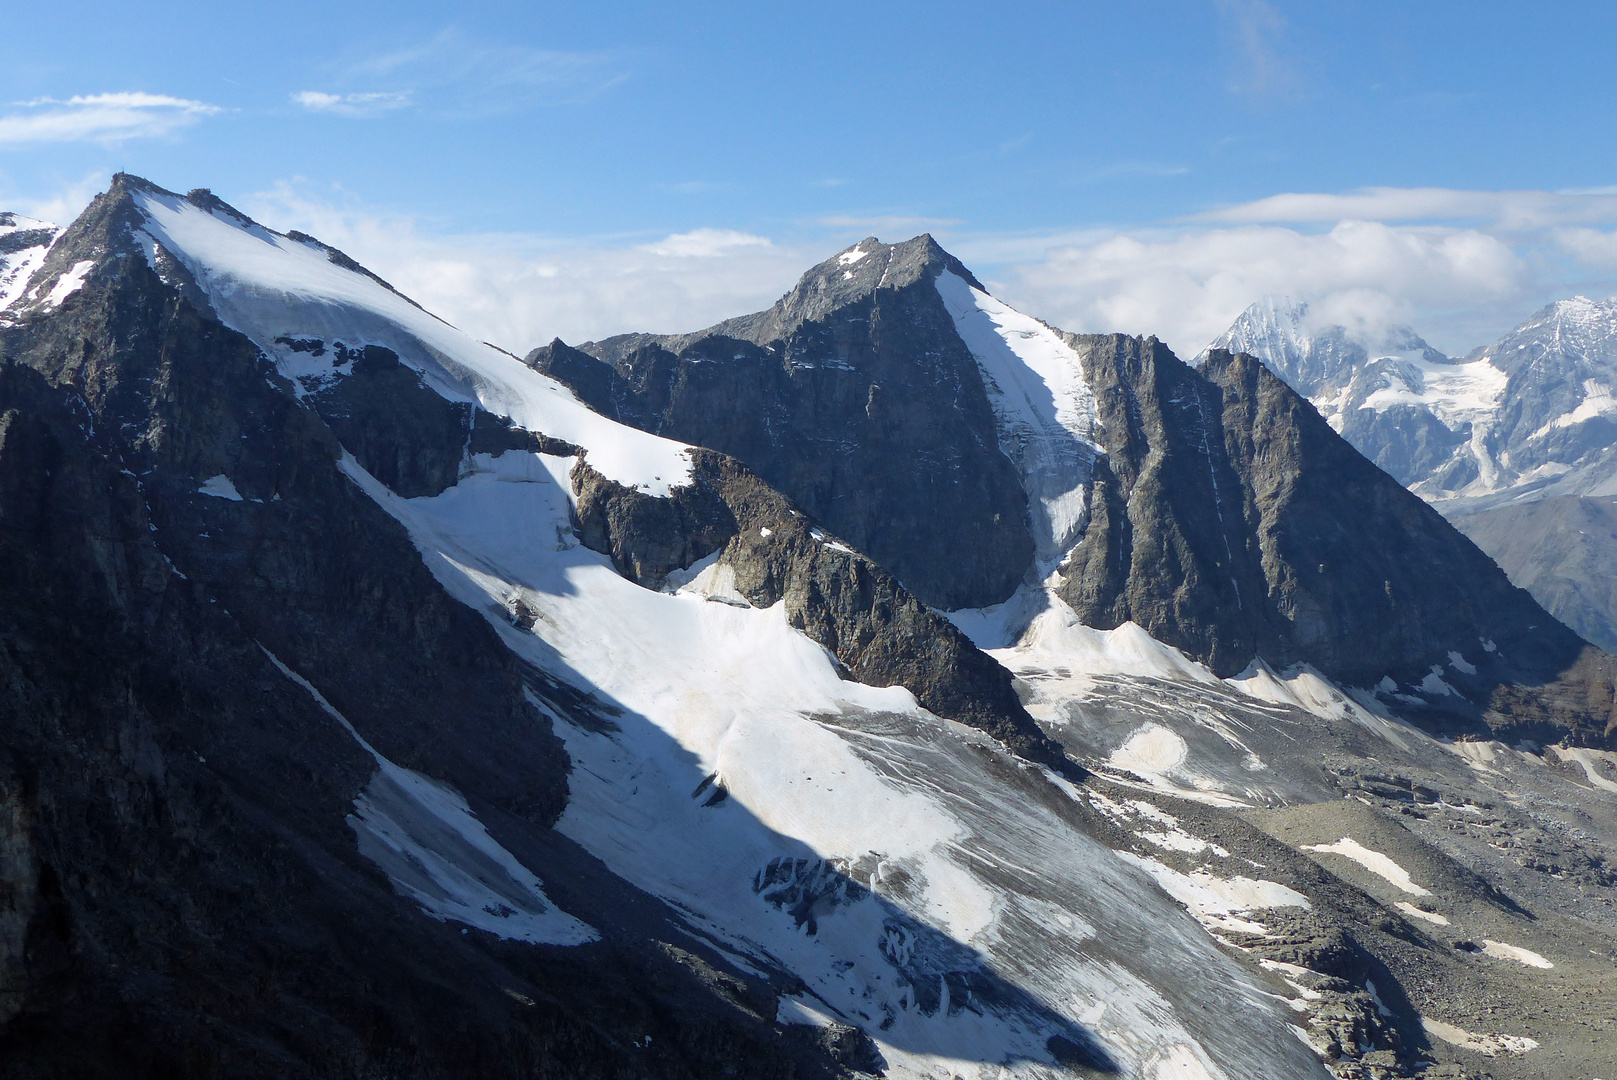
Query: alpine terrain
x=884 y=684
x=1516 y=443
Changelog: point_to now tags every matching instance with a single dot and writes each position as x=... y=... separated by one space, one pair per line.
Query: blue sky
x=581 y=169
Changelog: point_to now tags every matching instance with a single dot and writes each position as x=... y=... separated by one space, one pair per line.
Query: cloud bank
x=1461 y=267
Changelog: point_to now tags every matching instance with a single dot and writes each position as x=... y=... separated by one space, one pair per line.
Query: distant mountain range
x=1529 y=419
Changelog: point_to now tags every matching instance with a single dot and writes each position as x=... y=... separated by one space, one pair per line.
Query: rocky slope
x=376 y=708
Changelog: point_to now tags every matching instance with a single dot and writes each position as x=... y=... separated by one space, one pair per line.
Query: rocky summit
x=884 y=684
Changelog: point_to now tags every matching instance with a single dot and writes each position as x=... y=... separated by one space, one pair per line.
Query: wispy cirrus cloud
x=1258 y=64
x=457 y=74
x=105 y=118
x=367 y=104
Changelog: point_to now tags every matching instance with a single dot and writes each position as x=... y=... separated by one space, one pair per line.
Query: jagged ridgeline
x=886 y=683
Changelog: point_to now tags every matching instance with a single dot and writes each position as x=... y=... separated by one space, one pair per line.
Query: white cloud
x=1187 y=287
x=104 y=118
x=704 y=243
x=1590 y=247
x=372 y=103
x=1460 y=266
x=520 y=291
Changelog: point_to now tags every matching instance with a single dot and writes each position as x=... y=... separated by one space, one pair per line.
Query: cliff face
x=1229 y=520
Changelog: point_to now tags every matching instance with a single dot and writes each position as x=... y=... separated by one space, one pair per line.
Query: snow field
x=799 y=822
x=1045 y=410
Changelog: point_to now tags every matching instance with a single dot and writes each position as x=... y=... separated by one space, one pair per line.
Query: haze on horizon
x=531 y=171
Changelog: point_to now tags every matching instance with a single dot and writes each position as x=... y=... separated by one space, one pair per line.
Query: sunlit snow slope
x=924 y=885
x=23 y=245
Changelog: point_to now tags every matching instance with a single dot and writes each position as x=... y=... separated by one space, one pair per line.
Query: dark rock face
x=880 y=633
x=855 y=398
x=1230 y=521
x=180 y=894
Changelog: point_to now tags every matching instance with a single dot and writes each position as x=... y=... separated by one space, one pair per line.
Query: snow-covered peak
x=269 y=286
x=24 y=242
x=1271 y=326
x=1312 y=353
x=1577 y=332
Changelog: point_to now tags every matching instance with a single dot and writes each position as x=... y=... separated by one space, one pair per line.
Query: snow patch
x=1416 y=913
x=1152 y=750
x=1515 y=952
x=1591 y=761
x=1371 y=860
x=68 y=284
x=1490 y=1045
x=1220 y=903
x=220 y=487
